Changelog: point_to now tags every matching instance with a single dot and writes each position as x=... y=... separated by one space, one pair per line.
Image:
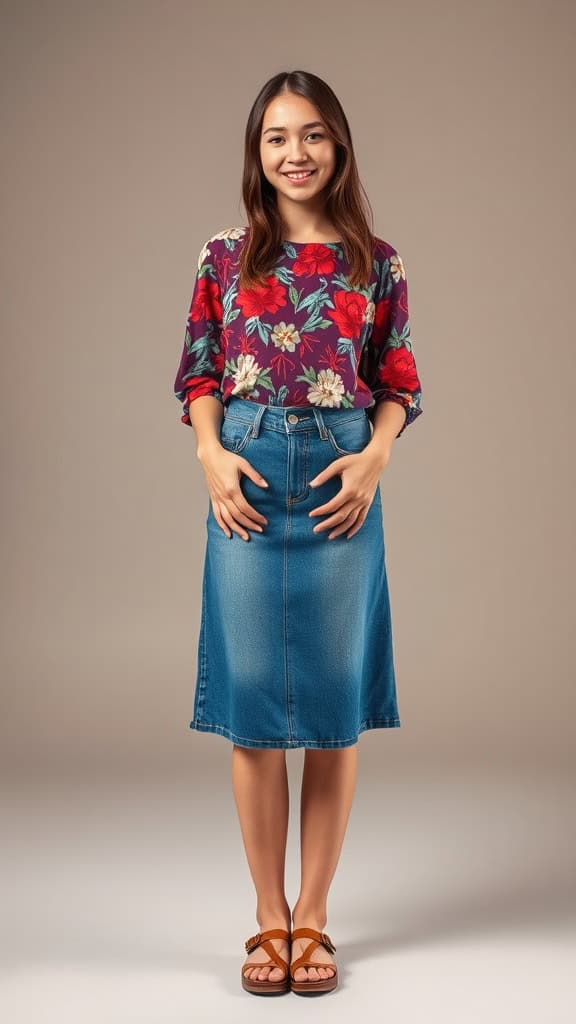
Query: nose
x=297 y=153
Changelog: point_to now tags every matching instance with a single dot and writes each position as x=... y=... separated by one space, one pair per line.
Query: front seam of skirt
x=372 y=723
x=285 y=609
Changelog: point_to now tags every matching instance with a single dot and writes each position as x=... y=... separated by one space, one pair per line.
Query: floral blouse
x=304 y=338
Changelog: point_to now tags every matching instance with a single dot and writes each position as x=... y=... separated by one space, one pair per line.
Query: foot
x=319 y=954
x=271 y=972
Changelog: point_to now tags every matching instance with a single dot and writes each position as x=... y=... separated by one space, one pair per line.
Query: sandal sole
x=263 y=989
x=309 y=988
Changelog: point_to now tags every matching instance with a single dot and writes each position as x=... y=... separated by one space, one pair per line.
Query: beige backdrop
x=126 y=894
x=122 y=129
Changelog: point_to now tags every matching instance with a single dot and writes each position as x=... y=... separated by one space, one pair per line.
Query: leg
x=328 y=784
x=260 y=783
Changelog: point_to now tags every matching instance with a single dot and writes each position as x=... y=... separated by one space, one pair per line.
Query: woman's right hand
x=232 y=511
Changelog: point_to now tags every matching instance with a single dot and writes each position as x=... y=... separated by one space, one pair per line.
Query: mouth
x=298 y=175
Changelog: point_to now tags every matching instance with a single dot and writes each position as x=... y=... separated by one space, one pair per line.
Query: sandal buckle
x=327 y=942
x=252 y=942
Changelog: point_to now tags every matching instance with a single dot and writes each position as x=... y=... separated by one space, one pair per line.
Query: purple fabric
x=305 y=338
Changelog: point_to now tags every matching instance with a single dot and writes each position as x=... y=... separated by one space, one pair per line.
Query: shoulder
x=383 y=249
x=227 y=239
x=385 y=252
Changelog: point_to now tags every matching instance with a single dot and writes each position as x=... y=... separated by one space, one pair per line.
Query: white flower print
x=327 y=390
x=227 y=233
x=285 y=336
x=397 y=268
x=369 y=312
x=246 y=375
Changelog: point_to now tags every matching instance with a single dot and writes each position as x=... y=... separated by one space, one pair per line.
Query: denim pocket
x=234 y=434
x=350 y=436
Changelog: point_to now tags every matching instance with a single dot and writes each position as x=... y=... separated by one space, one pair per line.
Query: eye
x=278 y=138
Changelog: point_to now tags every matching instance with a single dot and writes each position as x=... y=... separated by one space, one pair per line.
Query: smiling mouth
x=298 y=175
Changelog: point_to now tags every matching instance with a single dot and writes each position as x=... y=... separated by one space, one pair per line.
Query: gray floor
x=454 y=900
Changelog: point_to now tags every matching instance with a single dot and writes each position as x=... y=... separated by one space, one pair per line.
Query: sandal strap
x=320 y=937
x=263 y=939
x=271 y=933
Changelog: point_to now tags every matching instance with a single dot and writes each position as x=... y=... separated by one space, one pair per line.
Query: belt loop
x=255 y=429
x=320 y=423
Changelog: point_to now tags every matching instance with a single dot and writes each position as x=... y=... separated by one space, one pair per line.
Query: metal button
x=292 y=418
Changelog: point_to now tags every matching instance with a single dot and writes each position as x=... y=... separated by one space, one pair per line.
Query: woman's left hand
x=360 y=476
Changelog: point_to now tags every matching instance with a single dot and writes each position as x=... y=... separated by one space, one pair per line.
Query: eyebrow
x=310 y=124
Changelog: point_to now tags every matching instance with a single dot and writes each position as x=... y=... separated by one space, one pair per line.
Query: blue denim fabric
x=295 y=644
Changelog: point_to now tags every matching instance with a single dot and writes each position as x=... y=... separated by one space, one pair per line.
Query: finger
x=359 y=523
x=229 y=519
x=348 y=522
x=331 y=470
x=253 y=473
x=240 y=508
x=219 y=520
x=245 y=509
x=329 y=506
x=236 y=494
x=243 y=517
x=339 y=515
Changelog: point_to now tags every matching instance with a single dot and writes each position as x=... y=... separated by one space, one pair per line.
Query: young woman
x=297 y=374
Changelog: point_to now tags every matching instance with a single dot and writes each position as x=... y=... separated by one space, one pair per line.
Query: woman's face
x=294 y=138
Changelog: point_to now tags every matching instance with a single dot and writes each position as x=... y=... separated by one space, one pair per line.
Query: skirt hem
x=242 y=741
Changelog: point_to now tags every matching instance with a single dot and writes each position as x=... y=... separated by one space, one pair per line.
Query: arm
x=387 y=364
x=199 y=375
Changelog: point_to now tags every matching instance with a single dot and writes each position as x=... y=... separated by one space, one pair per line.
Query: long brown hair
x=347 y=204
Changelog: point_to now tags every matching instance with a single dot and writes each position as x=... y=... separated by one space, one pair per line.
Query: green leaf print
x=309 y=375
x=346 y=347
x=319 y=298
x=402 y=339
x=200 y=346
x=315 y=322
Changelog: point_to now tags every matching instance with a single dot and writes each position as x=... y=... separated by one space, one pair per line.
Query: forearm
x=206 y=415
x=389 y=418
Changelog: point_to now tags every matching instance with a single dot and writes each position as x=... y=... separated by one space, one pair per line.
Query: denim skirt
x=295 y=642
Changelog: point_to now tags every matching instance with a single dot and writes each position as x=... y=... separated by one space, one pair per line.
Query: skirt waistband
x=288 y=418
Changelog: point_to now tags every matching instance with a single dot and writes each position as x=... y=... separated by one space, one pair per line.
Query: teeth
x=300 y=174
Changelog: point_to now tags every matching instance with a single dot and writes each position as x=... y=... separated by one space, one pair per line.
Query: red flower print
x=268 y=298
x=349 y=313
x=207 y=304
x=381 y=313
x=314 y=259
x=398 y=370
x=302 y=334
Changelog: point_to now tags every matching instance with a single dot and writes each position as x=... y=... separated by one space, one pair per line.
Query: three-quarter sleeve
x=202 y=361
x=387 y=362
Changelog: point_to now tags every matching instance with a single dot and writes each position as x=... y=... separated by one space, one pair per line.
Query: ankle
x=309 y=917
x=273 y=915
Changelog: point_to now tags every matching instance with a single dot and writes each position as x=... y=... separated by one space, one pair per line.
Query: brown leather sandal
x=263 y=939
x=322 y=984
